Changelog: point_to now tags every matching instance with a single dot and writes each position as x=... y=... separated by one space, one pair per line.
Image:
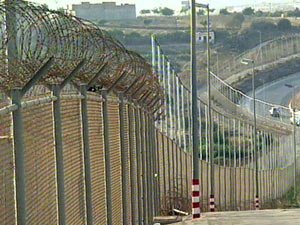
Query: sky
x=150 y=4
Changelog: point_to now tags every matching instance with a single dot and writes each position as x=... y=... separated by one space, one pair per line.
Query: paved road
x=276 y=93
x=262 y=217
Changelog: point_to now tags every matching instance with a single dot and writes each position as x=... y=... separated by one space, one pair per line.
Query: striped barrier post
x=196 y=198
x=256 y=203
x=212 y=203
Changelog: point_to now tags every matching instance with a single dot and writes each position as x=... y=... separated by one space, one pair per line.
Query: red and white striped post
x=212 y=203
x=256 y=203
x=196 y=198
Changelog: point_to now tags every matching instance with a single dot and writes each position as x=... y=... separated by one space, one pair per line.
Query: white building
x=202 y=36
x=104 y=11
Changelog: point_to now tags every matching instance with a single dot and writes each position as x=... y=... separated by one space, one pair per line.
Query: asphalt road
x=275 y=93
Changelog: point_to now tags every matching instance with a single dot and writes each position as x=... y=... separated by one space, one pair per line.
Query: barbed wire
x=33 y=34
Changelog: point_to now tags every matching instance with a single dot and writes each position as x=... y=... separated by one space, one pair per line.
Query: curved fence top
x=31 y=34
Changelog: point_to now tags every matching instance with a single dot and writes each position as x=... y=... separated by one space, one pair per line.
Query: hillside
x=232 y=37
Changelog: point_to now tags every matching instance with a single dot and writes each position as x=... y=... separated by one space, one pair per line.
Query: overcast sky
x=150 y=4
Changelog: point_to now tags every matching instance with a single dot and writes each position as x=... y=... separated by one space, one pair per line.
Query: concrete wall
x=104 y=11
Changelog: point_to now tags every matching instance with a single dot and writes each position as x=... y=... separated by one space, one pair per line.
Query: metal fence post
x=107 y=157
x=124 y=160
x=150 y=167
x=133 y=181
x=59 y=155
x=179 y=128
x=144 y=166
x=155 y=164
x=19 y=155
x=138 y=164
x=87 y=160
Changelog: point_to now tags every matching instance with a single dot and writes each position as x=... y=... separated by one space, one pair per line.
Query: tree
x=184 y=10
x=145 y=11
x=224 y=12
x=259 y=13
x=166 y=11
x=295 y=13
x=276 y=14
x=248 y=11
x=200 y=12
x=284 y=24
x=236 y=20
x=156 y=11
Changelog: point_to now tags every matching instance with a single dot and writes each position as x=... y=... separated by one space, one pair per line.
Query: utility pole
x=195 y=117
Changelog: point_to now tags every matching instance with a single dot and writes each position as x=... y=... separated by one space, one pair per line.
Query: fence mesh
x=73 y=161
x=40 y=164
x=97 y=161
x=115 y=157
x=7 y=190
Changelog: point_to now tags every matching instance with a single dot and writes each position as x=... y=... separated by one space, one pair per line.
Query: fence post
x=19 y=155
x=144 y=167
x=155 y=161
x=138 y=164
x=59 y=155
x=107 y=156
x=124 y=160
x=132 y=153
x=149 y=168
x=87 y=159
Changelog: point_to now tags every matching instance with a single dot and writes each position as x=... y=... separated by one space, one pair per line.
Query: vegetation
x=284 y=24
x=200 y=12
x=134 y=38
x=251 y=12
x=145 y=11
x=166 y=11
x=224 y=12
x=236 y=21
x=248 y=11
x=163 y=11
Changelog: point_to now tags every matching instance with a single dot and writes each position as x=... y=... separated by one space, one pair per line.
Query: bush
x=262 y=26
x=284 y=24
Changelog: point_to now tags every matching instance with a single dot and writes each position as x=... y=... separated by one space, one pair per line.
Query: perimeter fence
x=266 y=53
x=234 y=153
x=90 y=135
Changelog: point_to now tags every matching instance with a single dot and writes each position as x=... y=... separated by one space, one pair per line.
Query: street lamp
x=210 y=122
x=195 y=116
x=195 y=113
x=247 y=62
x=294 y=137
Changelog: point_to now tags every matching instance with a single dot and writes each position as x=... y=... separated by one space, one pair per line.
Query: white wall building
x=104 y=11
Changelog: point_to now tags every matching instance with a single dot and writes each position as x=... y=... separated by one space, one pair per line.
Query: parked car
x=275 y=112
x=297 y=120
